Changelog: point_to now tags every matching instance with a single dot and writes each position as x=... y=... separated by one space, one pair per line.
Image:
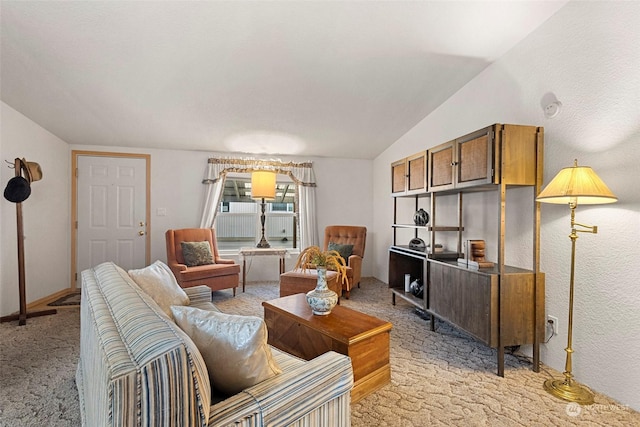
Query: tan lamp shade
x=263 y=185
x=578 y=185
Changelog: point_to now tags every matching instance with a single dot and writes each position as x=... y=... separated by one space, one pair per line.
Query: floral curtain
x=300 y=173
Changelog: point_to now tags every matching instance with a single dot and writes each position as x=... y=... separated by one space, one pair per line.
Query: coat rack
x=20 y=166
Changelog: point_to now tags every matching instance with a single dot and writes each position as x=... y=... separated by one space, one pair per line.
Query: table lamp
x=263 y=186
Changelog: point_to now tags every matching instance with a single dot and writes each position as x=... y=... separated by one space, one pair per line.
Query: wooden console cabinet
x=500 y=306
x=475 y=300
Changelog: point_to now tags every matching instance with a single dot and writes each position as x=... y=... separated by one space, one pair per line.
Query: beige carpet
x=441 y=378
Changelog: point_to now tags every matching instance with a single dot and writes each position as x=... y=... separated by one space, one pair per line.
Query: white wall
x=588 y=55
x=45 y=213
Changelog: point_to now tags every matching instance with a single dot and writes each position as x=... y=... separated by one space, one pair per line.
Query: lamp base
x=571 y=392
x=263 y=243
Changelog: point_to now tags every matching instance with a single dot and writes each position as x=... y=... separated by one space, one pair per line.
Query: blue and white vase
x=322 y=299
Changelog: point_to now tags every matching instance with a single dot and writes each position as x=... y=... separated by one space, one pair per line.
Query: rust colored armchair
x=349 y=235
x=222 y=274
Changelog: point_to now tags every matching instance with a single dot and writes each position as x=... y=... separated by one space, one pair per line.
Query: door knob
x=141 y=233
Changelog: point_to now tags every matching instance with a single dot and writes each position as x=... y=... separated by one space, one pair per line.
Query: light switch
x=161 y=212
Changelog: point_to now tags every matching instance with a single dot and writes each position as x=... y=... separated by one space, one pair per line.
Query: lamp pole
x=568 y=389
x=263 y=242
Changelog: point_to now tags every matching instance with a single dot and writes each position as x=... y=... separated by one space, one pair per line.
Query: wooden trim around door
x=74 y=203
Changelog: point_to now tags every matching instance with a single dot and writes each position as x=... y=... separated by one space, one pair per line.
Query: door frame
x=74 y=203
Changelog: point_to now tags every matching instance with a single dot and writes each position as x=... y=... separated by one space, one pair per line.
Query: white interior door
x=111 y=203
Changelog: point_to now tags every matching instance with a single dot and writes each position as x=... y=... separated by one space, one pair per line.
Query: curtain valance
x=300 y=173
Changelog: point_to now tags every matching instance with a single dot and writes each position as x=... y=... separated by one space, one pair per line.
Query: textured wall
x=588 y=55
x=45 y=213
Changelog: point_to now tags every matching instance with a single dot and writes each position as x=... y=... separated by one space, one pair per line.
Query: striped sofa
x=137 y=368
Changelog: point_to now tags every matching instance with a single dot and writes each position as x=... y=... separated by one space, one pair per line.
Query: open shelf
x=409 y=297
x=428 y=227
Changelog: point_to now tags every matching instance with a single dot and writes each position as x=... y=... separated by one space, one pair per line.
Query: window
x=237 y=223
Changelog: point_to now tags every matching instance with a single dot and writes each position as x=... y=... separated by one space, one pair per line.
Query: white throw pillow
x=233 y=347
x=158 y=281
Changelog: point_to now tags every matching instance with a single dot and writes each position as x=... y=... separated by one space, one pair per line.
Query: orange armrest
x=354 y=260
x=179 y=267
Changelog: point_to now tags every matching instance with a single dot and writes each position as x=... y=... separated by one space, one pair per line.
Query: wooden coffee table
x=295 y=329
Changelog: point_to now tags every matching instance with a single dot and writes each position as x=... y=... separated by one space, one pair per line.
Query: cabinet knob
x=454 y=163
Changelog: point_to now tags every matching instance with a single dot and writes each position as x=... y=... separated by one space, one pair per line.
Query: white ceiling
x=327 y=78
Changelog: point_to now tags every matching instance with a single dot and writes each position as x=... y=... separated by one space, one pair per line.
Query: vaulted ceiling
x=307 y=78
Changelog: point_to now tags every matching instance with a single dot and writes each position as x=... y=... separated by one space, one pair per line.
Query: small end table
x=249 y=252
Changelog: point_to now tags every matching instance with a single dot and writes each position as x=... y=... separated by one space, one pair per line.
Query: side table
x=249 y=252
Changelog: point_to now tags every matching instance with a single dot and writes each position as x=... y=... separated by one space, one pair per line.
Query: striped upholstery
x=137 y=368
x=135 y=363
x=200 y=297
x=313 y=393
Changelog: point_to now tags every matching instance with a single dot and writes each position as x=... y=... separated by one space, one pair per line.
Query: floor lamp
x=263 y=186
x=573 y=186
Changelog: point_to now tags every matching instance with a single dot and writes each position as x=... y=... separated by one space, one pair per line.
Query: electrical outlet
x=553 y=321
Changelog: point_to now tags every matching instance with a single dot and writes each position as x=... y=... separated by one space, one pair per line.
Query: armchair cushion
x=157 y=281
x=345 y=251
x=234 y=347
x=196 y=253
x=203 y=272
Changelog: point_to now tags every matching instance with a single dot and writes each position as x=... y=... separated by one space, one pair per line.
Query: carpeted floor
x=441 y=378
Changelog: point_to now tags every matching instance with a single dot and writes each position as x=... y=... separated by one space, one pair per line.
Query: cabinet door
x=399 y=177
x=475 y=158
x=417 y=173
x=441 y=167
x=409 y=175
x=467 y=299
x=519 y=150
